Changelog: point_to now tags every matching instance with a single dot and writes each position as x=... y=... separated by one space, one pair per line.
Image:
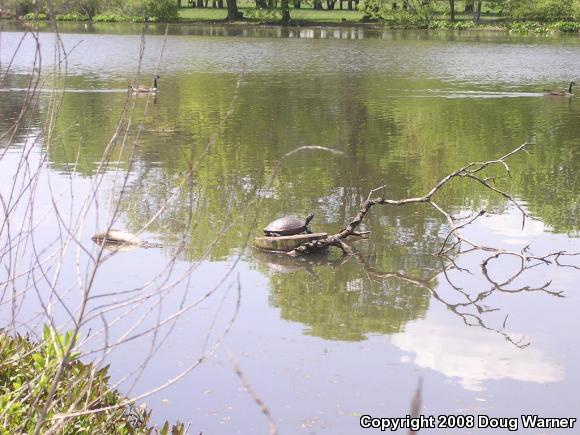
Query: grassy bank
x=40 y=382
x=490 y=20
x=303 y=15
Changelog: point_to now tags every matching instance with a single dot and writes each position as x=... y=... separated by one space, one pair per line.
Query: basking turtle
x=288 y=226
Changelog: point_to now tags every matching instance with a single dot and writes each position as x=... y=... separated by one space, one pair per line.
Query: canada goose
x=561 y=93
x=149 y=89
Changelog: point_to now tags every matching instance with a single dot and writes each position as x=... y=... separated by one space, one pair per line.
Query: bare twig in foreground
x=416 y=404
x=263 y=408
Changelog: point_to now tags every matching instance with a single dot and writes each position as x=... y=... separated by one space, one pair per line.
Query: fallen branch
x=470 y=171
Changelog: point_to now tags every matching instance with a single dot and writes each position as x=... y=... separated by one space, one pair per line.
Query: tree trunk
x=350 y=5
x=220 y=4
x=478 y=12
x=452 y=10
x=330 y=4
x=233 y=13
x=178 y=3
x=468 y=7
x=285 y=12
x=199 y=3
x=296 y=4
x=318 y=5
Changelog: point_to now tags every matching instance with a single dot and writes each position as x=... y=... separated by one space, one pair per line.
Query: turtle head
x=308 y=219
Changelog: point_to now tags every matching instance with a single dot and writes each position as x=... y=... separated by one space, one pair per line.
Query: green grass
x=325 y=16
x=202 y=14
x=301 y=15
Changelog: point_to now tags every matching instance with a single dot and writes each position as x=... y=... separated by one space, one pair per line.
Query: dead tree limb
x=470 y=171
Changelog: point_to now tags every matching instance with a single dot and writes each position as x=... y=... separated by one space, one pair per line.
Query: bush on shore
x=89 y=10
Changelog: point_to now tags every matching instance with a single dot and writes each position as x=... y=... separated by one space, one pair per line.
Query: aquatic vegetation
x=29 y=399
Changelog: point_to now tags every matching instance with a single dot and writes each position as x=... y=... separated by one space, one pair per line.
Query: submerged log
x=286 y=243
x=116 y=236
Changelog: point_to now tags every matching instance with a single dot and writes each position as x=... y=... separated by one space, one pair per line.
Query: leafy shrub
x=528 y=27
x=27 y=372
x=373 y=10
x=31 y=16
x=409 y=19
x=419 y=15
x=263 y=15
x=566 y=26
x=542 y=10
x=463 y=25
x=161 y=9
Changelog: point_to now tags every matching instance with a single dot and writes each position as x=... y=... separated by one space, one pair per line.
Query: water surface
x=322 y=340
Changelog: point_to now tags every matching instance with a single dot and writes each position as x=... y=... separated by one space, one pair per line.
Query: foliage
x=418 y=14
x=78 y=7
x=27 y=372
x=115 y=18
x=86 y=7
x=448 y=25
x=19 y=7
x=540 y=28
x=31 y=16
x=542 y=10
x=263 y=15
x=73 y=16
x=566 y=26
x=373 y=10
x=409 y=19
x=161 y=9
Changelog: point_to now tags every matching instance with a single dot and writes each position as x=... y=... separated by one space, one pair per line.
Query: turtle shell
x=286 y=226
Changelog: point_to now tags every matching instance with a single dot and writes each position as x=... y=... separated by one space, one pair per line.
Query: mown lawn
x=252 y=14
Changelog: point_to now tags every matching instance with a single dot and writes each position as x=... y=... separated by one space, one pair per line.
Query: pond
x=201 y=168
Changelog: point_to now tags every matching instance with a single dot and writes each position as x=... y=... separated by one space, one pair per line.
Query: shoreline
x=520 y=28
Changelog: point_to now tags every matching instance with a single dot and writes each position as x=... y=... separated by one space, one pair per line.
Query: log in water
x=286 y=243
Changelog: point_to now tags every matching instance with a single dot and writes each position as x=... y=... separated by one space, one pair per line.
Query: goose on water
x=561 y=92
x=145 y=89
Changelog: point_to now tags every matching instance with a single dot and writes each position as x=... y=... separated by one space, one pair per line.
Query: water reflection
x=473 y=356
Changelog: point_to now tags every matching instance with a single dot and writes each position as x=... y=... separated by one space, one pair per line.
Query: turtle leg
x=308 y=230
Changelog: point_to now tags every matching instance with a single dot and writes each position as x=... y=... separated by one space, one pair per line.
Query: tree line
x=404 y=11
x=534 y=10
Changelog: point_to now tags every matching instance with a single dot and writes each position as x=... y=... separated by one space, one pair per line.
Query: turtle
x=288 y=226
